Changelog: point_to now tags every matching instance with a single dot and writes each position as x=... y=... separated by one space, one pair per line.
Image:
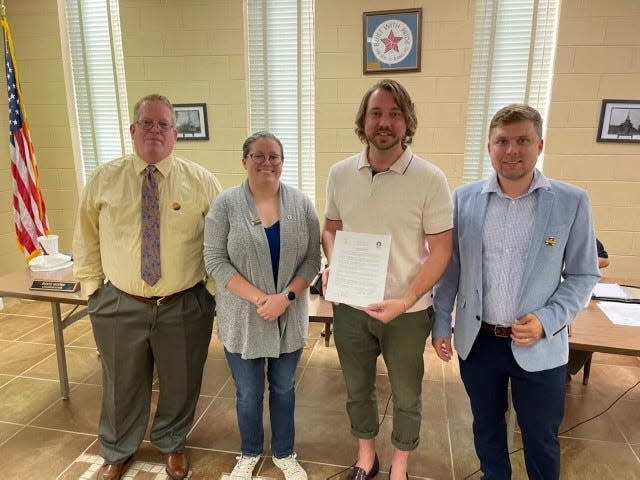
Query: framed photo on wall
x=391 y=40
x=191 y=121
x=619 y=121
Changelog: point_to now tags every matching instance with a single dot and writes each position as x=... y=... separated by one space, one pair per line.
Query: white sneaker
x=244 y=468
x=290 y=467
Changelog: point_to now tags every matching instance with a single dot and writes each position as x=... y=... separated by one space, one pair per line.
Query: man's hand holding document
x=358 y=268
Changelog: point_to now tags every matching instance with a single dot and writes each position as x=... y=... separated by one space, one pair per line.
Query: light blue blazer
x=563 y=245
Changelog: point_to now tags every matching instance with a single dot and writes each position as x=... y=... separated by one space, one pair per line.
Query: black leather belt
x=497 y=330
x=159 y=300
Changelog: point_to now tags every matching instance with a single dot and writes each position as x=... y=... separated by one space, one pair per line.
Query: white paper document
x=622 y=313
x=608 y=290
x=358 y=268
x=612 y=290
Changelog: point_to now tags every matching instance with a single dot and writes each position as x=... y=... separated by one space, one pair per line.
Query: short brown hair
x=246 y=146
x=403 y=100
x=516 y=112
x=153 y=97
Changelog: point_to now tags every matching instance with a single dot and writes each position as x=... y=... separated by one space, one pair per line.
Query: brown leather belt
x=158 y=300
x=497 y=330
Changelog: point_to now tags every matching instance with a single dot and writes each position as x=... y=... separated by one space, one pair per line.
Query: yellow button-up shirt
x=106 y=242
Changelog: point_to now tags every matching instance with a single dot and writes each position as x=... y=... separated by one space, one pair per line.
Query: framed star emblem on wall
x=392 y=40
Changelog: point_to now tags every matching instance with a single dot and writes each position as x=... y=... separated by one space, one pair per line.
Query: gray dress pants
x=131 y=337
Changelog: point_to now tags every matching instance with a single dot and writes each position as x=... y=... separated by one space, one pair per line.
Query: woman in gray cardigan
x=262 y=247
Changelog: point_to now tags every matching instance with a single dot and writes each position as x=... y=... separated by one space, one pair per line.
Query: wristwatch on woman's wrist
x=291 y=296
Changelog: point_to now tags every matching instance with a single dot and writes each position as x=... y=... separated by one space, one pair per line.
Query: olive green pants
x=360 y=339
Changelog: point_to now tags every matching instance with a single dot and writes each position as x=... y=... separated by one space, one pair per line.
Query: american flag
x=30 y=216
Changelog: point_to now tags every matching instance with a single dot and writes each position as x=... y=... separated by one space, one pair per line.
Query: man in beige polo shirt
x=386 y=189
x=138 y=255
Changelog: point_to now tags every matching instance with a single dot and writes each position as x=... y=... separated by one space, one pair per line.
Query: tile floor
x=45 y=437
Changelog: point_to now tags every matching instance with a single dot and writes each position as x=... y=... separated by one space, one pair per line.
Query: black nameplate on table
x=55 y=286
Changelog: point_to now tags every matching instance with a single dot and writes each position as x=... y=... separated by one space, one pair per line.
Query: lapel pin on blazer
x=550 y=241
x=256 y=221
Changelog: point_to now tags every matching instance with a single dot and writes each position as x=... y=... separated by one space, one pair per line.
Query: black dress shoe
x=357 y=473
x=390 y=473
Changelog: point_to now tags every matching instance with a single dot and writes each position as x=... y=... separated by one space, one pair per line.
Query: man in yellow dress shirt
x=138 y=255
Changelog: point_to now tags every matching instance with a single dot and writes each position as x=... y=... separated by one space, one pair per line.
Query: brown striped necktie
x=150 y=270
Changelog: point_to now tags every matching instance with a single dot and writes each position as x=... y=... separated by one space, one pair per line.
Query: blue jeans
x=249 y=379
x=538 y=398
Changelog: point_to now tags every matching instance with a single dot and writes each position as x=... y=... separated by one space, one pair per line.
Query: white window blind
x=280 y=46
x=98 y=81
x=513 y=54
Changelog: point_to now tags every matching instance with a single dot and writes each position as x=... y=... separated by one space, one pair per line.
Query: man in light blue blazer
x=524 y=264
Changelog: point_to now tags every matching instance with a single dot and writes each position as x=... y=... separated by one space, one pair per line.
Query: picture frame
x=391 y=41
x=619 y=121
x=191 y=121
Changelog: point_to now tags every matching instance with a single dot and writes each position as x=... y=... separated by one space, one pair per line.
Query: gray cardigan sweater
x=234 y=243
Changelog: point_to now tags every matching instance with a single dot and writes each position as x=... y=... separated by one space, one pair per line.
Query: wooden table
x=320 y=310
x=592 y=331
x=16 y=285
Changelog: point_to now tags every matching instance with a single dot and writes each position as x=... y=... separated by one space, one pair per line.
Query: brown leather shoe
x=113 y=471
x=177 y=465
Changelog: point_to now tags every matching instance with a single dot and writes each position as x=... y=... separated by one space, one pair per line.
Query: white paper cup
x=49 y=244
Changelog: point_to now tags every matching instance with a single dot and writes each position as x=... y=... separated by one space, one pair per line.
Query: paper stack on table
x=622 y=313
x=620 y=303
x=613 y=292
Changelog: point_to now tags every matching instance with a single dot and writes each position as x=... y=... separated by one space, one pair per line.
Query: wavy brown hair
x=403 y=100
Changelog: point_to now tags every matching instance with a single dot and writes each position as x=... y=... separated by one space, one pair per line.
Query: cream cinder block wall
x=439 y=91
x=193 y=52
x=598 y=57
x=37 y=49
x=190 y=50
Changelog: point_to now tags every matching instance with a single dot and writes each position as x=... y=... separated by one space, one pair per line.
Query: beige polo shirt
x=408 y=201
